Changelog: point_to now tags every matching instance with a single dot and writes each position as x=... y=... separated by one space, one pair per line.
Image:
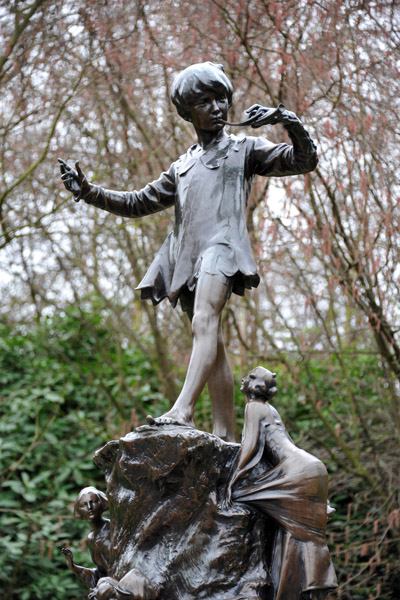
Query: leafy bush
x=340 y=410
x=61 y=398
x=69 y=385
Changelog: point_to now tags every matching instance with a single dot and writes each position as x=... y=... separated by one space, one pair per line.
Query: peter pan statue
x=207 y=255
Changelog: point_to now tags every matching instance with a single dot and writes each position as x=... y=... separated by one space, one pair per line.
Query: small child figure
x=208 y=255
x=90 y=505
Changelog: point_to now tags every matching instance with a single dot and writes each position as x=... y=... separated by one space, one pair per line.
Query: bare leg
x=211 y=295
x=220 y=386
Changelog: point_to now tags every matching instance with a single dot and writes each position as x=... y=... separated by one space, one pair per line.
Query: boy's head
x=195 y=80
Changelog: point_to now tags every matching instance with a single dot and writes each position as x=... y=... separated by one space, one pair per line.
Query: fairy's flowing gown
x=294 y=493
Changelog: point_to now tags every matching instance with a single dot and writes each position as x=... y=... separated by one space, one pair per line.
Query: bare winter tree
x=91 y=81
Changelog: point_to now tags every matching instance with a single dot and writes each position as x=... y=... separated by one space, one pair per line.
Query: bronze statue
x=294 y=493
x=90 y=505
x=207 y=256
x=193 y=516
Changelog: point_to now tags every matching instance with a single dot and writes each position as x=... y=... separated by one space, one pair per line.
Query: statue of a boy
x=207 y=255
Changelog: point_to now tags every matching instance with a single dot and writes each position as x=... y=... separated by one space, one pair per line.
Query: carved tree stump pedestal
x=167 y=487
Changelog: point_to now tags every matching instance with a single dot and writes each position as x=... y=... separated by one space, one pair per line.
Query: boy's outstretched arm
x=155 y=196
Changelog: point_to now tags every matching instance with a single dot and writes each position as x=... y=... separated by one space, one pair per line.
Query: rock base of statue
x=167 y=487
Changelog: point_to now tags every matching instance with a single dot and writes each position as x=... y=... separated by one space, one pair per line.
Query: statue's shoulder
x=239 y=142
x=187 y=160
x=248 y=145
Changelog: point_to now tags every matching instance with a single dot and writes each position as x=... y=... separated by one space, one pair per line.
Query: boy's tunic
x=210 y=190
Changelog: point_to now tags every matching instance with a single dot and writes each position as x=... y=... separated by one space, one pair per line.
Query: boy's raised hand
x=263 y=115
x=74 y=179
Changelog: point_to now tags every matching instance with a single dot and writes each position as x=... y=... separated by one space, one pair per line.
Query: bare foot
x=170 y=418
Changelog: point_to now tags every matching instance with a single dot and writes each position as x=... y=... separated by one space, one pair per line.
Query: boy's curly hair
x=195 y=80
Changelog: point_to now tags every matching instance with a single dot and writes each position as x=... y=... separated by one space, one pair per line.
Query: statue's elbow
x=310 y=164
x=314 y=162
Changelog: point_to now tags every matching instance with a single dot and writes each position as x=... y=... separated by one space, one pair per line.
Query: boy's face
x=207 y=110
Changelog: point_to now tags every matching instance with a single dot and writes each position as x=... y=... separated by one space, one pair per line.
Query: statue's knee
x=204 y=323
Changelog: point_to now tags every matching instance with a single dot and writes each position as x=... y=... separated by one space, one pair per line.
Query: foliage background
x=83 y=361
